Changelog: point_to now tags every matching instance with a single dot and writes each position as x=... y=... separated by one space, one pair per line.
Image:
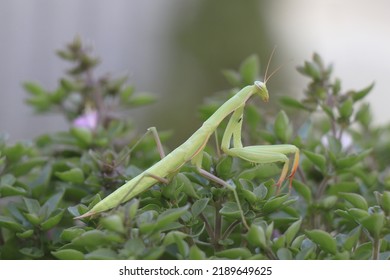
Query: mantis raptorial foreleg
x=259 y=153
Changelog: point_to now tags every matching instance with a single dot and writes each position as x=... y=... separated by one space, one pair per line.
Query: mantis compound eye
x=259 y=84
x=262 y=90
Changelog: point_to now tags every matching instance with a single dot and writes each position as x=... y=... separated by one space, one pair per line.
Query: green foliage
x=338 y=208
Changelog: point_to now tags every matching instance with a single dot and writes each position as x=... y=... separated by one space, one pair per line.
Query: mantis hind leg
x=154 y=132
x=219 y=181
x=158 y=141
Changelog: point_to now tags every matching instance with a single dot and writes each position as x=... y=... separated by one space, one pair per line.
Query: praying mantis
x=192 y=150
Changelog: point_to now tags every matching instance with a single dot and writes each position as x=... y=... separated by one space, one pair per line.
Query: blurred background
x=177 y=49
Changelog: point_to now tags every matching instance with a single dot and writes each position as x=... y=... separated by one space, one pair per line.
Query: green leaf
x=170 y=215
x=249 y=196
x=352 y=239
x=249 y=69
x=133 y=247
x=224 y=167
x=132 y=208
x=71 y=233
x=343 y=186
x=15 y=152
x=32 y=252
x=275 y=203
x=284 y=254
x=53 y=220
x=7 y=179
x=114 y=223
x=146 y=221
x=351 y=160
x=281 y=127
x=233 y=77
x=11 y=224
x=26 y=234
x=39 y=98
x=196 y=253
x=385 y=203
x=74 y=175
x=34 y=89
x=362 y=93
x=374 y=224
x=234 y=253
x=256 y=236
x=7 y=190
x=279 y=242
x=344 y=214
x=32 y=205
x=33 y=218
x=58 y=95
x=141 y=100
x=186 y=185
x=230 y=209
x=317 y=159
x=364 y=115
x=101 y=254
x=363 y=252
x=25 y=166
x=323 y=239
x=303 y=190
x=68 y=254
x=297 y=242
x=182 y=246
x=173 y=236
x=328 y=202
x=292 y=231
x=84 y=136
x=311 y=70
x=346 y=108
x=40 y=184
x=307 y=252
x=126 y=94
x=52 y=203
x=291 y=102
x=355 y=199
x=91 y=239
x=269 y=231
x=358 y=214
x=198 y=206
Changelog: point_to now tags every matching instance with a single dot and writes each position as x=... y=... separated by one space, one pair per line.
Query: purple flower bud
x=89 y=120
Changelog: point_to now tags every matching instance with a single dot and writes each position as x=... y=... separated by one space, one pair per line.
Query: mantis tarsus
x=192 y=150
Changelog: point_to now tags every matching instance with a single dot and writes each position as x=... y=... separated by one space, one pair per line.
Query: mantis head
x=260 y=87
x=262 y=90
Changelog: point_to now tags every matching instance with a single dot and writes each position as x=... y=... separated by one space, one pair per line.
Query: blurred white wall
x=131 y=37
x=354 y=35
x=127 y=35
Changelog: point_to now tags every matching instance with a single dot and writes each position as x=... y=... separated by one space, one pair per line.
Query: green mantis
x=192 y=150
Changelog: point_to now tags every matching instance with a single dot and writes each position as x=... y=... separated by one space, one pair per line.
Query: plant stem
x=209 y=229
x=218 y=225
x=230 y=228
x=375 y=249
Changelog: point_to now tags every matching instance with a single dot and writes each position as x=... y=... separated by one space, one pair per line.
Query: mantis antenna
x=269 y=62
x=266 y=76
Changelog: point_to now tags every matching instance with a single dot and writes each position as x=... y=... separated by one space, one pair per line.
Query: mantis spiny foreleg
x=259 y=153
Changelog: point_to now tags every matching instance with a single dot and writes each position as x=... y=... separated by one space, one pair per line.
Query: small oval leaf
x=323 y=239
